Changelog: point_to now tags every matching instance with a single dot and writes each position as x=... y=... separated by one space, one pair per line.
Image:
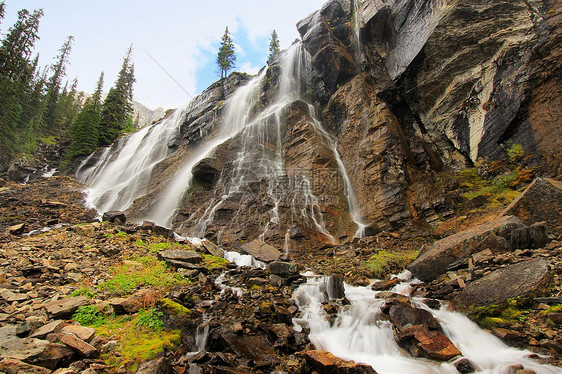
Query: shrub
x=149 y=319
x=89 y=315
x=515 y=152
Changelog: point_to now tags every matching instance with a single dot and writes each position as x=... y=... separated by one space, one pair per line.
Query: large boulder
x=114 y=216
x=434 y=262
x=422 y=342
x=180 y=258
x=326 y=363
x=541 y=201
x=66 y=307
x=261 y=251
x=524 y=279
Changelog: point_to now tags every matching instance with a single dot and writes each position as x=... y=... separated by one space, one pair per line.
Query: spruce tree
x=273 y=47
x=226 y=59
x=52 y=118
x=118 y=103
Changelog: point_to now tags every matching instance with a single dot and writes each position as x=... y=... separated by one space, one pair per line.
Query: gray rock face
x=434 y=262
x=176 y=256
x=261 y=251
x=21 y=349
x=524 y=279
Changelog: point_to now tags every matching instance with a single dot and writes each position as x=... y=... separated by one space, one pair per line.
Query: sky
x=175 y=42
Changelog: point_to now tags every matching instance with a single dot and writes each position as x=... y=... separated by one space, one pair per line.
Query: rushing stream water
x=359 y=333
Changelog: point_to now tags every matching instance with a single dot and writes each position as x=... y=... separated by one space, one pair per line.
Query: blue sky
x=183 y=36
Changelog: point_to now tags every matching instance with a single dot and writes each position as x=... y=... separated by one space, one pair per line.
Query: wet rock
x=385 y=284
x=541 y=201
x=283 y=269
x=326 y=363
x=207 y=171
x=432 y=344
x=464 y=366
x=14 y=366
x=81 y=347
x=66 y=307
x=114 y=216
x=261 y=251
x=335 y=287
x=51 y=327
x=432 y=263
x=158 y=366
x=524 y=279
x=251 y=347
x=212 y=248
x=403 y=316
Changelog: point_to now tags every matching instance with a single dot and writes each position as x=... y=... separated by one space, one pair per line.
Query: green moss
x=121 y=234
x=83 y=291
x=139 y=243
x=171 y=307
x=153 y=273
x=213 y=262
x=491 y=322
x=383 y=262
x=48 y=140
x=136 y=344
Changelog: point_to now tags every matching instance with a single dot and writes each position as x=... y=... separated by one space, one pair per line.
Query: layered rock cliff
x=347 y=128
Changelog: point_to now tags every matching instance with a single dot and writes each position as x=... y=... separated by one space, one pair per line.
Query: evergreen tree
x=118 y=103
x=52 y=118
x=84 y=129
x=273 y=47
x=226 y=59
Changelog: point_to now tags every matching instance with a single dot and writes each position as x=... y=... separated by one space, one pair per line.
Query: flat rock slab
x=541 y=201
x=518 y=280
x=10 y=296
x=325 y=362
x=14 y=366
x=261 y=251
x=434 y=262
x=83 y=333
x=180 y=255
x=43 y=331
x=212 y=248
x=252 y=347
x=158 y=366
x=20 y=349
x=80 y=346
x=66 y=307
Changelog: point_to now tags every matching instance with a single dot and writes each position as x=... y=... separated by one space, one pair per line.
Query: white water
x=123 y=171
x=360 y=334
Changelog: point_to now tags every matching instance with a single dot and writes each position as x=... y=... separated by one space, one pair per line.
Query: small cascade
x=357 y=31
x=123 y=170
x=360 y=334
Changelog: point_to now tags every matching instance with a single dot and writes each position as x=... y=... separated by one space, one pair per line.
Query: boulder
x=81 y=332
x=21 y=349
x=66 y=307
x=177 y=257
x=433 y=262
x=283 y=269
x=141 y=299
x=51 y=327
x=114 y=216
x=541 y=201
x=422 y=342
x=212 y=248
x=524 y=279
x=14 y=366
x=55 y=355
x=158 y=366
x=326 y=363
x=403 y=316
x=385 y=285
x=81 y=347
x=261 y=251
x=254 y=347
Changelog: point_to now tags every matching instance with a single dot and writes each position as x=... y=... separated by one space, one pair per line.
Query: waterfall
x=360 y=333
x=123 y=170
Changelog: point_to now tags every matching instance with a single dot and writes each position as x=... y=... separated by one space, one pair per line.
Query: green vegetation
x=149 y=319
x=138 y=341
x=515 y=152
x=83 y=291
x=89 y=315
x=171 y=307
x=504 y=315
x=383 y=262
x=273 y=47
x=226 y=59
x=127 y=277
x=121 y=234
x=157 y=247
x=213 y=262
x=139 y=243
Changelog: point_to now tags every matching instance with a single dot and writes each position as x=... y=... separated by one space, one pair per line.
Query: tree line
x=35 y=105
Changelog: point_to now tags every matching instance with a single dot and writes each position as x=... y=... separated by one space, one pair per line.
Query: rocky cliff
x=347 y=129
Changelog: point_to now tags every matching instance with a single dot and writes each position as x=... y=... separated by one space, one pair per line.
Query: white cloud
x=247 y=67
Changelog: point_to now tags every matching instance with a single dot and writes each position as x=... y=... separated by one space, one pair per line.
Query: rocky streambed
x=86 y=297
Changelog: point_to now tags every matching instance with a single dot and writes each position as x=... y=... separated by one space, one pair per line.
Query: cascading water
x=123 y=171
x=360 y=334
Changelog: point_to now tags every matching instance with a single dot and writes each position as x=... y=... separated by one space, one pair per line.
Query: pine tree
x=118 y=103
x=226 y=59
x=52 y=117
x=273 y=47
x=84 y=129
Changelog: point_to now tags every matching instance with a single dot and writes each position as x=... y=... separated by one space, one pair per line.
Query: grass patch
x=157 y=247
x=138 y=341
x=383 y=262
x=149 y=319
x=83 y=291
x=139 y=243
x=154 y=273
x=89 y=315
